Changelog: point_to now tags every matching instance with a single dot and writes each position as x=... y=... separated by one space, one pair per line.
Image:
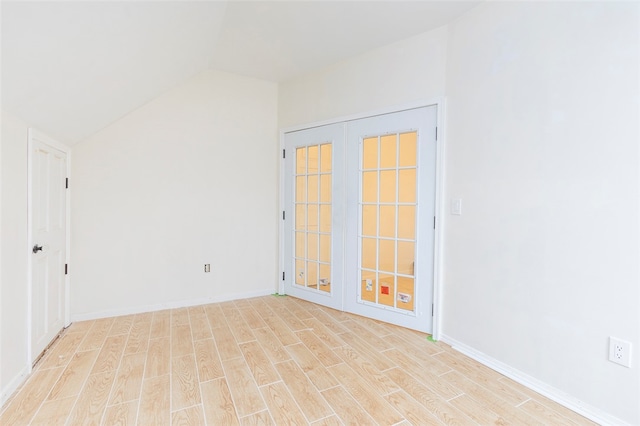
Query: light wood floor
x=268 y=360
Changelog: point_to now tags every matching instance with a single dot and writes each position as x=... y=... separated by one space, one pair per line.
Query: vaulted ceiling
x=71 y=68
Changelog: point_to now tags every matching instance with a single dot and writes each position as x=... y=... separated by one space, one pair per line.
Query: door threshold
x=44 y=351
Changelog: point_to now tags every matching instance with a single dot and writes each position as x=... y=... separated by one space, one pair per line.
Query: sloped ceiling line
x=72 y=68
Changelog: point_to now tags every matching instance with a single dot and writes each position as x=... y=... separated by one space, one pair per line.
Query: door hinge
x=436 y=133
x=283 y=276
x=66 y=269
x=432 y=309
x=434 y=222
x=66 y=183
x=283 y=154
x=283 y=215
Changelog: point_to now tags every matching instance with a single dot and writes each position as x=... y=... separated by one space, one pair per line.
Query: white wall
x=188 y=179
x=14 y=252
x=388 y=76
x=542 y=147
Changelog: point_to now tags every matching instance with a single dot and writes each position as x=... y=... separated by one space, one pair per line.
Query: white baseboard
x=167 y=305
x=9 y=388
x=536 y=385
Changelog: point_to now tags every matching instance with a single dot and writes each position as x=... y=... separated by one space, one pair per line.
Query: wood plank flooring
x=267 y=360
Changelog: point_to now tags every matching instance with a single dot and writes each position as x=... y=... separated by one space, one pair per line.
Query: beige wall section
x=14 y=252
x=406 y=71
x=542 y=147
x=188 y=179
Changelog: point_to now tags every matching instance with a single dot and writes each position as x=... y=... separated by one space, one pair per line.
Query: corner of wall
x=13 y=254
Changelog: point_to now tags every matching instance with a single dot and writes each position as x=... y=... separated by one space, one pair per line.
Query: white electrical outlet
x=620 y=351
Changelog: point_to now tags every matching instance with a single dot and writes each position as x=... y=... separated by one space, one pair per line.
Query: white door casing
x=48 y=237
x=347 y=140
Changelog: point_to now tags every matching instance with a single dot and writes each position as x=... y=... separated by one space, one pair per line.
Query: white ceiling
x=71 y=68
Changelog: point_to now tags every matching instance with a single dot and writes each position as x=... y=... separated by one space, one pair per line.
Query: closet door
x=314 y=210
x=390 y=207
x=359 y=215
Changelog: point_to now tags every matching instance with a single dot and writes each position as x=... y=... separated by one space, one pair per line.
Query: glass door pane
x=312 y=206
x=388 y=220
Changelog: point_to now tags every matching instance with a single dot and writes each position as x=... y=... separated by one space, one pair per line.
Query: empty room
x=320 y=212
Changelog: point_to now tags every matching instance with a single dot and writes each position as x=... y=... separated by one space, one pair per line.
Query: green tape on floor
x=279 y=295
x=431 y=339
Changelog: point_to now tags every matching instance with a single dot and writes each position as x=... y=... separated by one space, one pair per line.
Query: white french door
x=314 y=224
x=48 y=225
x=390 y=217
x=381 y=207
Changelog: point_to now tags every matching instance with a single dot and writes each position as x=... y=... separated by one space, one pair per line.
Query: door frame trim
x=439 y=102
x=32 y=136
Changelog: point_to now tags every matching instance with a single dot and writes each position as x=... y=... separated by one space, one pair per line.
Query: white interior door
x=48 y=242
x=359 y=216
x=314 y=224
x=390 y=217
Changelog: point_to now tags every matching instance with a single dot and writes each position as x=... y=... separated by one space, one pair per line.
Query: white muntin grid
x=377 y=272
x=312 y=234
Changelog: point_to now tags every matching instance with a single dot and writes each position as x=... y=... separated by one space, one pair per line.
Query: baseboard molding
x=536 y=385
x=167 y=305
x=13 y=385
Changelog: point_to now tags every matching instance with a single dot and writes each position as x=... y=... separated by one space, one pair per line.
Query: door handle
x=37 y=248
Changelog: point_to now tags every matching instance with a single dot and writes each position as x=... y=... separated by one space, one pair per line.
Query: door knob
x=37 y=248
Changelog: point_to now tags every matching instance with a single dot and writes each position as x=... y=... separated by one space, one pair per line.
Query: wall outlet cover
x=620 y=351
